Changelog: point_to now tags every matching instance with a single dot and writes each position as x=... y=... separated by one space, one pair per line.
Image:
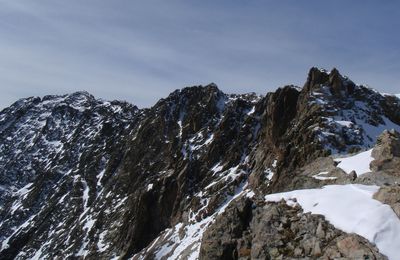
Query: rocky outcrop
x=276 y=231
x=222 y=239
x=387 y=153
x=390 y=195
x=386 y=162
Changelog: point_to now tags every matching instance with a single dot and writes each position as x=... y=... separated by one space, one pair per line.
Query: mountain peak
x=338 y=85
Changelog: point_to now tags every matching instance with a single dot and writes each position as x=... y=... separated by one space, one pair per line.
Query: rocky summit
x=300 y=173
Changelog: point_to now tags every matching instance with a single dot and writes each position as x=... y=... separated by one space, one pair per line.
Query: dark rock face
x=88 y=178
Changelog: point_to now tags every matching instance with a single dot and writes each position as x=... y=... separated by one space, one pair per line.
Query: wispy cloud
x=142 y=51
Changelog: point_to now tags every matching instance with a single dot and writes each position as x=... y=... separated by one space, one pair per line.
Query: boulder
x=390 y=195
x=387 y=152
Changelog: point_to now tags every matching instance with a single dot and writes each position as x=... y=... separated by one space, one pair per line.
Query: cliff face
x=88 y=178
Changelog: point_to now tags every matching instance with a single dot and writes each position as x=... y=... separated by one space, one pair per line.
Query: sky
x=140 y=51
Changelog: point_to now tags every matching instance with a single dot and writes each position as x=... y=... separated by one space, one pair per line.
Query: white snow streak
x=322 y=176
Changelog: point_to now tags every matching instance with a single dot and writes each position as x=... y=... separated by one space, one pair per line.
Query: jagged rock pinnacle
x=338 y=85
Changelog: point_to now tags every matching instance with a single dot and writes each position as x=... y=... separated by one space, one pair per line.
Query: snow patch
x=209 y=139
x=180 y=120
x=85 y=194
x=99 y=176
x=253 y=109
x=101 y=245
x=344 y=123
x=275 y=163
x=321 y=176
x=359 y=163
x=250 y=194
x=217 y=168
x=24 y=190
x=270 y=173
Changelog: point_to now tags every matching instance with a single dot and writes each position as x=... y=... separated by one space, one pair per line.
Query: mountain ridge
x=135 y=179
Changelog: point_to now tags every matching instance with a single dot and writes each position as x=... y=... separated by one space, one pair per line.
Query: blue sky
x=140 y=51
